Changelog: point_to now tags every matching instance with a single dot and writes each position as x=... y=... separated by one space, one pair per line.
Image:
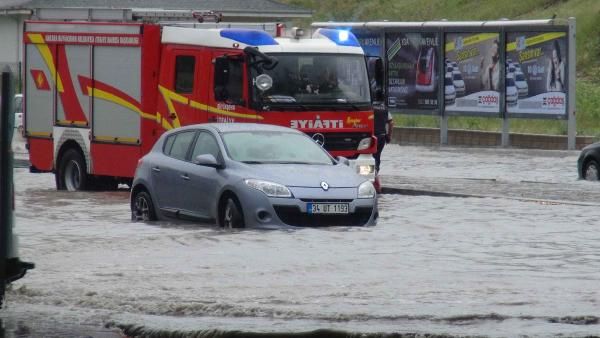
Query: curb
x=476 y=138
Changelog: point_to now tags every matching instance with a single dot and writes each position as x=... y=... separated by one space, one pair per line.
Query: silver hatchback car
x=249 y=175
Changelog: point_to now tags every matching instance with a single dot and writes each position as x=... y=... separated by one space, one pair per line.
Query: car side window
x=181 y=145
x=206 y=144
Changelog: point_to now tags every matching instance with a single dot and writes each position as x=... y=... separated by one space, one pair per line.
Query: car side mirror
x=208 y=160
x=342 y=160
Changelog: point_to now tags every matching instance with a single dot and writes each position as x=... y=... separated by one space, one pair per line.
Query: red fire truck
x=99 y=94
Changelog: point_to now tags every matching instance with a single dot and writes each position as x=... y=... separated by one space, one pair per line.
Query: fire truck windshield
x=316 y=79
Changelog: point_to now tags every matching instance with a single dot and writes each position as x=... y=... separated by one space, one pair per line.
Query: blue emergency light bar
x=339 y=36
x=249 y=37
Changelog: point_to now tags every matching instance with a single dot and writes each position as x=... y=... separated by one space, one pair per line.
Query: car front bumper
x=261 y=211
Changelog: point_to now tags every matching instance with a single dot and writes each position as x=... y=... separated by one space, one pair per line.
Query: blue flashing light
x=340 y=37
x=249 y=36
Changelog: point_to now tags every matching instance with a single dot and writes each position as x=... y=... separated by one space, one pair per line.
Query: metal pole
x=5 y=177
x=572 y=60
x=441 y=88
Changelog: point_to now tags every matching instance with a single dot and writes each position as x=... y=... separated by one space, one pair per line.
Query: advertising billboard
x=472 y=73
x=370 y=41
x=412 y=70
x=536 y=82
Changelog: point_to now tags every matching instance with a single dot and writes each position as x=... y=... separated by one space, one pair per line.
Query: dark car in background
x=249 y=175
x=588 y=164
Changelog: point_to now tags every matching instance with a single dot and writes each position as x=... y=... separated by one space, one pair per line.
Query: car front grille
x=292 y=215
x=342 y=141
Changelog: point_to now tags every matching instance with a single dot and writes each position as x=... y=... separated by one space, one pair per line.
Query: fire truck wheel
x=72 y=173
x=232 y=216
x=142 y=208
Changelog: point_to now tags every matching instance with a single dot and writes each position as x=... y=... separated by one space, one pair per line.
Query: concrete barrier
x=476 y=138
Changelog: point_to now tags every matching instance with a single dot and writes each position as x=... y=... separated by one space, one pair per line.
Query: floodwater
x=496 y=264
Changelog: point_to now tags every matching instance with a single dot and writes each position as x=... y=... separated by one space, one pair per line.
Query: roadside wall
x=472 y=138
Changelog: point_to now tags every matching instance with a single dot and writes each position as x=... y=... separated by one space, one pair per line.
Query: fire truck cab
x=99 y=94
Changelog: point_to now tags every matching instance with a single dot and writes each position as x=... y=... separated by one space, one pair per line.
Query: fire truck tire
x=142 y=208
x=232 y=216
x=72 y=173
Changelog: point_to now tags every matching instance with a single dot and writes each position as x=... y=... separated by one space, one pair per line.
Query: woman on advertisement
x=490 y=72
x=556 y=71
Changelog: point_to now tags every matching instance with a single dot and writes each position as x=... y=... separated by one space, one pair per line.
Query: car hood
x=305 y=175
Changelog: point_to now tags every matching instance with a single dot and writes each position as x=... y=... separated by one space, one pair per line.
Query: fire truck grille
x=340 y=141
x=292 y=215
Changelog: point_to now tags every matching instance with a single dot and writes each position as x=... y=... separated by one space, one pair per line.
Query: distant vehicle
x=18 y=104
x=449 y=90
x=425 y=80
x=521 y=84
x=588 y=164
x=249 y=175
x=459 y=83
x=510 y=69
x=512 y=95
x=517 y=67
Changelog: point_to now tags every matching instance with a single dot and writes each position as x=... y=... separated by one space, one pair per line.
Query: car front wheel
x=142 y=208
x=591 y=171
x=232 y=215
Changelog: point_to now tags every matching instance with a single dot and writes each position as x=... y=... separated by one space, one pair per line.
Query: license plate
x=327 y=208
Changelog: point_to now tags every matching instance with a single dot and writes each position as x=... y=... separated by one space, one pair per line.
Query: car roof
x=238 y=127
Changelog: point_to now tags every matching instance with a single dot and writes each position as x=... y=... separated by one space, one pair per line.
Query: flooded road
x=441 y=265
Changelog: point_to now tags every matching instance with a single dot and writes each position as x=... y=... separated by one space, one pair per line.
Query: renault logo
x=324 y=185
x=319 y=139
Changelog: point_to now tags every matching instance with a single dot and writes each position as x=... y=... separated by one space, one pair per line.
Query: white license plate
x=327 y=208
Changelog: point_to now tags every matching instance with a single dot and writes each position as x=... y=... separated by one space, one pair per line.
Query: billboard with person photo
x=536 y=82
x=472 y=72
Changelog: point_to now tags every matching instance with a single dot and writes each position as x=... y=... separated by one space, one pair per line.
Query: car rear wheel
x=591 y=171
x=232 y=215
x=142 y=208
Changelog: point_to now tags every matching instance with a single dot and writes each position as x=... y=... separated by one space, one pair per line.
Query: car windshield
x=316 y=79
x=457 y=76
x=448 y=81
x=520 y=77
x=259 y=147
x=510 y=82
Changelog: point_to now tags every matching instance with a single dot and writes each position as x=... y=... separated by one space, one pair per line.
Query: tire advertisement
x=412 y=69
x=536 y=82
x=472 y=73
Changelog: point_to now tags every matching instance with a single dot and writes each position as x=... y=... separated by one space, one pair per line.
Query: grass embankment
x=587 y=13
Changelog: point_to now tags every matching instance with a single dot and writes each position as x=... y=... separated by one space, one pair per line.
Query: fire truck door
x=228 y=95
x=180 y=90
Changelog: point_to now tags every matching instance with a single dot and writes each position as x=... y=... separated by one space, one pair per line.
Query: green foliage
x=587 y=13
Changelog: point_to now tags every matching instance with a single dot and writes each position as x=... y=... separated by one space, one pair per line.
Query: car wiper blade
x=297 y=162
x=253 y=162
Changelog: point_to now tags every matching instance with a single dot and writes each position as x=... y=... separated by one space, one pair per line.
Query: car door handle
x=185 y=177
x=156 y=169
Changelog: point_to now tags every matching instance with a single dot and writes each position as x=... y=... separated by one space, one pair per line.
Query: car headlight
x=365 y=169
x=365 y=143
x=269 y=188
x=366 y=190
